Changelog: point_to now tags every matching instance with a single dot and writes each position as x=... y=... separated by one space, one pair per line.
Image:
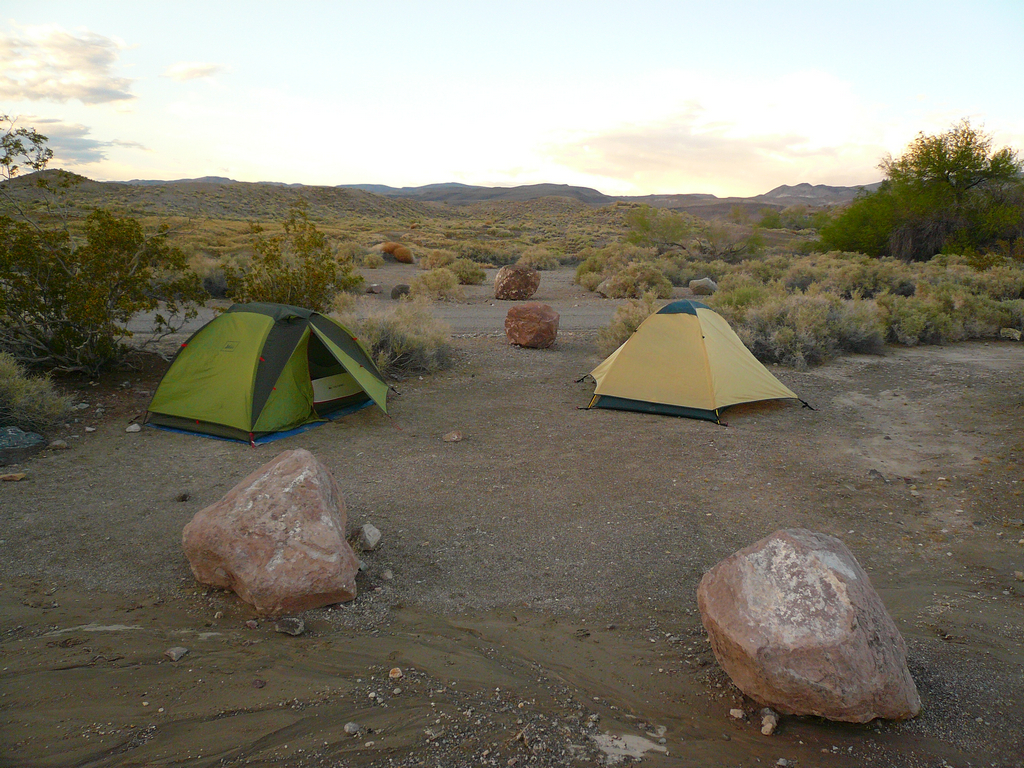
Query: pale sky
x=729 y=97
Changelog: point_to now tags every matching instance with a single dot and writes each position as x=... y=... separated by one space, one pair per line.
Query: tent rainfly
x=261 y=371
x=684 y=360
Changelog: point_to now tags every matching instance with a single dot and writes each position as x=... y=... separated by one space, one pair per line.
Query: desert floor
x=543 y=570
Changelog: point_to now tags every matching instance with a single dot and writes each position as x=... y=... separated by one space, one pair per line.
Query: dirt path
x=544 y=571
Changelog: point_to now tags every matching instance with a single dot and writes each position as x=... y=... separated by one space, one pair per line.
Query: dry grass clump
x=636 y=280
x=405 y=339
x=467 y=271
x=539 y=258
x=30 y=403
x=498 y=254
x=437 y=258
x=373 y=260
x=625 y=321
x=440 y=284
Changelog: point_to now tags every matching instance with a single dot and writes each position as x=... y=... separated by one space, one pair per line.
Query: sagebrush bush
x=437 y=258
x=539 y=258
x=30 y=403
x=373 y=260
x=486 y=253
x=405 y=339
x=636 y=280
x=440 y=284
x=625 y=321
x=799 y=330
x=467 y=271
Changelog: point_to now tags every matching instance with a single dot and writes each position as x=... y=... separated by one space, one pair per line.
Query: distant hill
x=813 y=194
x=467 y=194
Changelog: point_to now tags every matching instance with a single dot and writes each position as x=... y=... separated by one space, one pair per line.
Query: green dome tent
x=259 y=371
x=684 y=360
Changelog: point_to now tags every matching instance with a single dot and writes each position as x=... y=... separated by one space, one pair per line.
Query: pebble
x=1018 y=575
x=737 y=714
x=219 y=615
x=133 y=428
x=352 y=728
x=90 y=429
x=396 y=673
x=387 y=575
x=58 y=445
x=396 y=691
x=453 y=437
x=769 y=721
x=252 y=624
x=175 y=653
x=291 y=625
x=12 y=477
x=369 y=538
x=257 y=683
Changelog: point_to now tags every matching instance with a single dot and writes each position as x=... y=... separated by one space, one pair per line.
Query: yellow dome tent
x=684 y=360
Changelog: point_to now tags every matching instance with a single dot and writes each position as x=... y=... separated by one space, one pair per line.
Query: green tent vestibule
x=258 y=371
x=684 y=360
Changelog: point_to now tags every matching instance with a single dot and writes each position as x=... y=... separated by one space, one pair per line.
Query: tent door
x=333 y=386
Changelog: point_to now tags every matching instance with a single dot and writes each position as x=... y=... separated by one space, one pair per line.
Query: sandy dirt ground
x=537 y=580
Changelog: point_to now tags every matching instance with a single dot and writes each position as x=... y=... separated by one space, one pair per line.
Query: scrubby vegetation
x=296 y=267
x=439 y=284
x=406 y=339
x=625 y=321
x=29 y=402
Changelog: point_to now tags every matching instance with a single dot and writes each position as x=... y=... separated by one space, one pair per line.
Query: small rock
x=133 y=428
x=769 y=721
x=352 y=729
x=396 y=691
x=1018 y=575
x=375 y=288
x=257 y=683
x=290 y=625
x=219 y=615
x=363 y=566
x=175 y=653
x=369 y=538
x=453 y=437
x=252 y=624
x=183 y=496
x=399 y=291
x=387 y=575
x=58 y=445
x=396 y=673
x=12 y=477
x=874 y=474
x=90 y=429
x=703 y=287
x=783 y=762
x=737 y=714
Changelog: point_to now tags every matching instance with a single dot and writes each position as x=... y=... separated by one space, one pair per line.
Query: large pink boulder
x=795 y=623
x=532 y=325
x=515 y=283
x=277 y=539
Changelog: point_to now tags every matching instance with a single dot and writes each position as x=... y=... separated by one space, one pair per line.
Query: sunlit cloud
x=191 y=70
x=71 y=144
x=51 y=64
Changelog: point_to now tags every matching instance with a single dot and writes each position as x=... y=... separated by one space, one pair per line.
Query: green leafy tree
x=947 y=192
x=71 y=286
x=660 y=228
x=297 y=267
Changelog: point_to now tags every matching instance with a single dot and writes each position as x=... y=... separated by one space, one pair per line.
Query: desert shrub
x=636 y=280
x=612 y=258
x=440 y=284
x=405 y=339
x=856 y=275
x=67 y=300
x=373 y=260
x=296 y=268
x=802 y=330
x=28 y=402
x=625 y=321
x=486 y=253
x=468 y=272
x=437 y=258
x=350 y=252
x=538 y=257
x=215 y=283
x=589 y=280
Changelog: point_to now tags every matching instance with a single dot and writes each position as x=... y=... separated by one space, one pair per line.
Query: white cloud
x=51 y=64
x=191 y=70
x=71 y=144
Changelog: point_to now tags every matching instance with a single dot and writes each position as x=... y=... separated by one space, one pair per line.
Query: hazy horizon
x=678 y=97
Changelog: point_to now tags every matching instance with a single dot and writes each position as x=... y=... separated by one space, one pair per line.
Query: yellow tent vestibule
x=684 y=360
